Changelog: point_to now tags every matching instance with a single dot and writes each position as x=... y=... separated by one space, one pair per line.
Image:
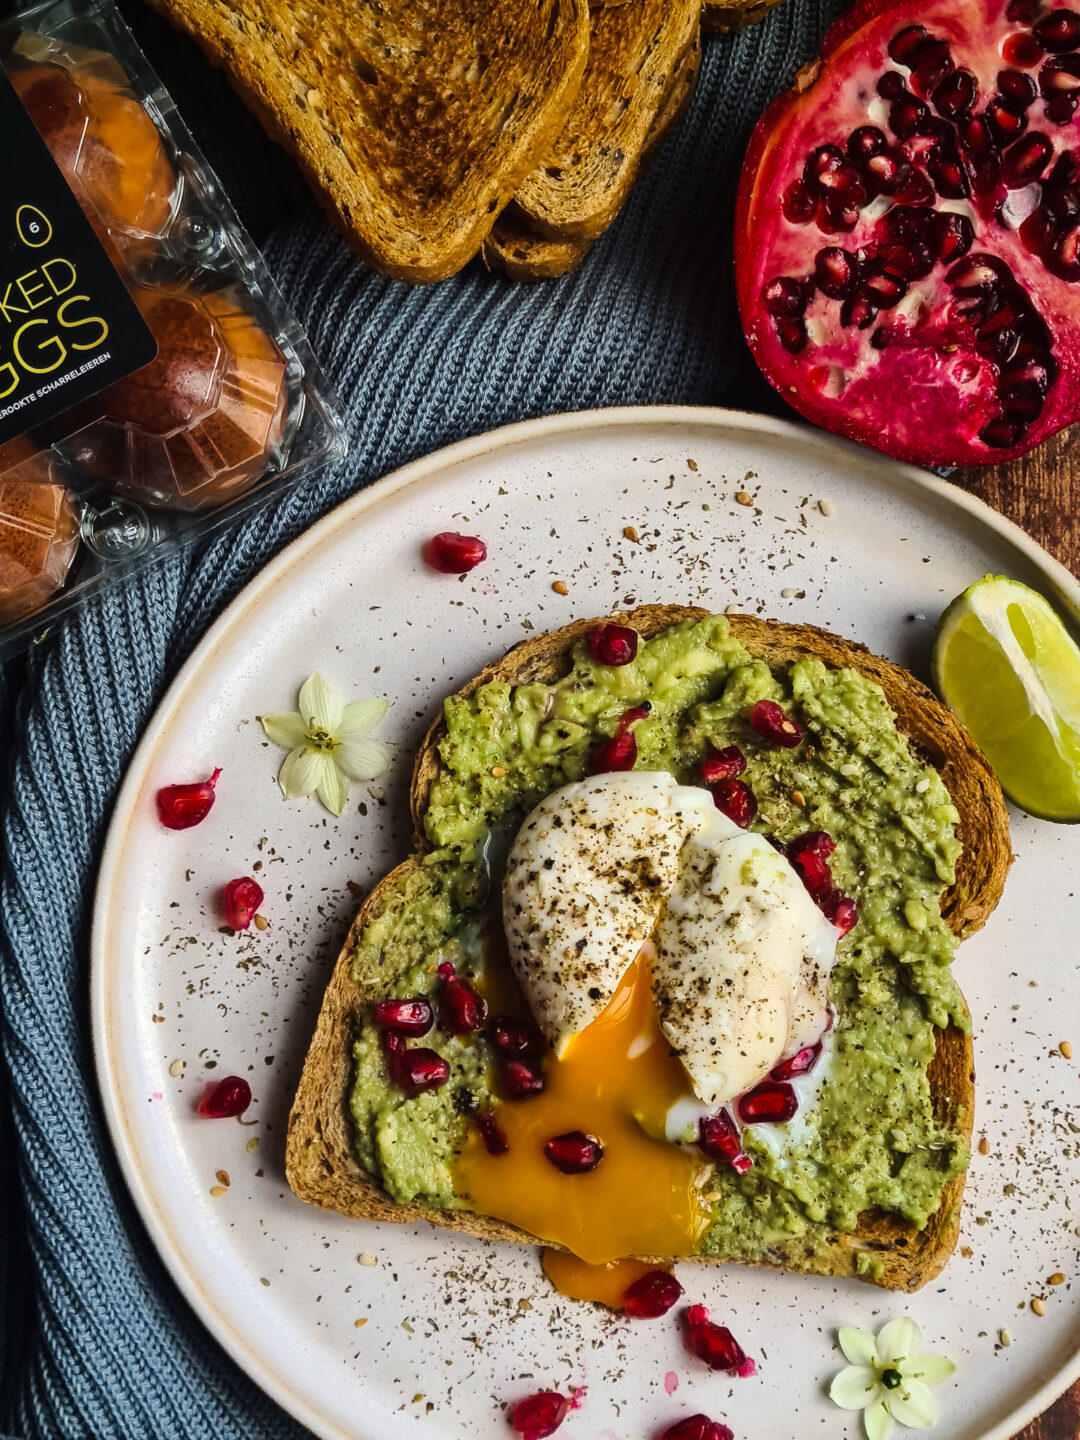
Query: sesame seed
x=252 y=1144
x=368 y=1260
x=261 y=922
x=799 y=798
x=1057 y=1278
x=733 y=609
x=223 y=1177
x=218 y=1190
x=176 y=1069
x=560 y=587
x=360 y=1323
x=1005 y=1338
x=263 y=1280
x=498 y=771
x=630 y=532
x=1038 y=1306
x=743 y=498
x=416 y=1399
x=849 y=770
x=826 y=507
x=788 y=593
x=921 y=786
x=984 y=1146
x=691 y=464
x=1066 y=1049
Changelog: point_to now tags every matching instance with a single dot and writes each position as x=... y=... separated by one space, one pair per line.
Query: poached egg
x=670 y=959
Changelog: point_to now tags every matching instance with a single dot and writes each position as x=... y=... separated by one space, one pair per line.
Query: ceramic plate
x=436 y=1336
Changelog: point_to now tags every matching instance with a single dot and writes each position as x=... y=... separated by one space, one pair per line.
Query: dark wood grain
x=1041 y=492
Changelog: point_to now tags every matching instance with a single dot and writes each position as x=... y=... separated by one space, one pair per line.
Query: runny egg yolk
x=578 y=1280
x=616 y=1080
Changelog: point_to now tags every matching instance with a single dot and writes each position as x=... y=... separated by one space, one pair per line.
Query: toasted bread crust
x=635 y=54
x=320 y=1162
x=414 y=124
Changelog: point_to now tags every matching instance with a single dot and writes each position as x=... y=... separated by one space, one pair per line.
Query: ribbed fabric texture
x=96 y=1341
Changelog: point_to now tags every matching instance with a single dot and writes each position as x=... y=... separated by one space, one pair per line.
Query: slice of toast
x=321 y=1162
x=734 y=14
x=414 y=123
x=635 y=53
x=514 y=246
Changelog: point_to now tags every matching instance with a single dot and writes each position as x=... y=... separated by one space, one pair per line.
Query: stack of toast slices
x=436 y=130
x=321 y=1160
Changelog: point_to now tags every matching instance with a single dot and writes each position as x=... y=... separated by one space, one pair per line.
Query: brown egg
x=39 y=531
x=198 y=425
x=110 y=151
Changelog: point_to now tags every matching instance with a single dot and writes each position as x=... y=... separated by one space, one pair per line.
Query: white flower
x=888 y=1378
x=329 y=744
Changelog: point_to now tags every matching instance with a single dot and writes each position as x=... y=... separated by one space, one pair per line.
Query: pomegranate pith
x=698 y=1427
x=454 y=554
x=916 y=286
x=229 y=1097
x=540 y=1415
x=241 y=900
x=181 y=806
x=651 y=1296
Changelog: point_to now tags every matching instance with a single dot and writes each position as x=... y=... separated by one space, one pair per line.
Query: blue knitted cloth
x=96 y=1341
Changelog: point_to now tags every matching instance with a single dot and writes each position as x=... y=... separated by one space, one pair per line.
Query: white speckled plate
x=433 y=1339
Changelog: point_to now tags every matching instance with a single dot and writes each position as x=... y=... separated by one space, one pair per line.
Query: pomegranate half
x=907 y=238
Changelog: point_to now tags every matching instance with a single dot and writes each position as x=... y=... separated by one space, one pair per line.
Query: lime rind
x=1004 y=662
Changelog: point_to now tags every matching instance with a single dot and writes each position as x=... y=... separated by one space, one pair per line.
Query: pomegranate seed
x=798 y=204
x=461 y=1010
x=618 y=753
x=631 y=717
x=718 y=1138
x=522 y=1079
x=574 y=1153
x=840 y=911
x=511 y=1037
x=793 y=334
x=1059 y=31
x=785 y=297
x=407 y=1017
x=747 y=1369
x=801 y=1063
x=735 y=799
x=651 y=1296
x=242 y=899
x=540 y=1415
x=454 y=554
x=772 y=1102
x=492 y=1133
x=712 y=1343
x=864 y=142
x=770 y=722
x=697 y=1427
x=181 y=806
x=1021 y=49
x=414 y=1071
x=723 y=764
x=229 y=1097
x=612 y=644
x=906 y=45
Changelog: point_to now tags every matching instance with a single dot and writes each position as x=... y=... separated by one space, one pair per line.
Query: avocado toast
x=345 y=1131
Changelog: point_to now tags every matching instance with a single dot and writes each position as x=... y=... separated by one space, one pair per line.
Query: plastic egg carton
x=154 y=387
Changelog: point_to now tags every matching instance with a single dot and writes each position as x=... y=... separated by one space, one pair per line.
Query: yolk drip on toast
x=616 y=1080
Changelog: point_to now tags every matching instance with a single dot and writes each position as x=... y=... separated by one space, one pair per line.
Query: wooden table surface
x=1041 y=492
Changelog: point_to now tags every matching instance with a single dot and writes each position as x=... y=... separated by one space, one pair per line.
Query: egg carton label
x=68 y=326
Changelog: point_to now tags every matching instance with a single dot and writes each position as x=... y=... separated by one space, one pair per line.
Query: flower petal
x=899 y=1340
x=857 y=1345
x=854 y=1387
x=930 y=1369
x=362 y=715
x=914 y=1405
x=333 y=787
x=362 y=759
x=287 y=730
x=877 y=1422
x=320 y=704
x=300 y=772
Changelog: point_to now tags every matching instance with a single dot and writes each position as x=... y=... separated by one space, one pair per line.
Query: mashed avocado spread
x=868 y=1138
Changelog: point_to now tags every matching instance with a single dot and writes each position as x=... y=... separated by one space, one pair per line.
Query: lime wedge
x=1005 y=664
